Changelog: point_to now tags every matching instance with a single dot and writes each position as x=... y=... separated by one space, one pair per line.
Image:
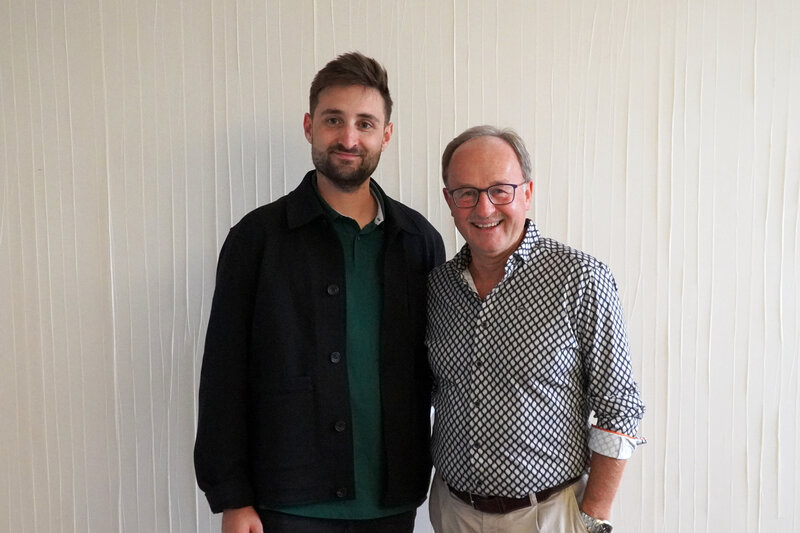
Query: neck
x=487 y=273
x=357 y=204
x=488 y=270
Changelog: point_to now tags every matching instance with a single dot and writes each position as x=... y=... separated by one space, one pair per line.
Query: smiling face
x=347 y=132
x=493 y=232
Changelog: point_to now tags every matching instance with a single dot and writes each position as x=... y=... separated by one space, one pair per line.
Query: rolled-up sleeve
x=613 y=394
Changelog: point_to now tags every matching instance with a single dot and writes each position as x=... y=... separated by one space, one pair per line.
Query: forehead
x=351 y=99
x=484 y=161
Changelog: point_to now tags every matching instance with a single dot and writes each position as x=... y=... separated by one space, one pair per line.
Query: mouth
x=346 y=155
x=343 y=153
x=487 y=225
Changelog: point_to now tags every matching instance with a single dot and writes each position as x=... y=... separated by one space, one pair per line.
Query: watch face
x=604 y=528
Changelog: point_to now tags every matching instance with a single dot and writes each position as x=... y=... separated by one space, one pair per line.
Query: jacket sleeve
x=220 y=453
x=439 y=253
x=437 y=257
x=435 y=246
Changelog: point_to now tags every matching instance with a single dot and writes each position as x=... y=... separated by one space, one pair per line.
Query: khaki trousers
x=557 y=514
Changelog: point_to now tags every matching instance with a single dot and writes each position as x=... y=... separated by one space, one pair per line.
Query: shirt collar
x=379 y=216
x=373 y=189
x=525 y=249
x=304 y=206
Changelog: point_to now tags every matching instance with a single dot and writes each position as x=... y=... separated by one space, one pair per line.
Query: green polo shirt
x=363 y=266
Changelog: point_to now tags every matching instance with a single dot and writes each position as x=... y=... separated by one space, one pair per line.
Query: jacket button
x=333 y=290
x=339 y=426
x=336 y=357
x=341 y=492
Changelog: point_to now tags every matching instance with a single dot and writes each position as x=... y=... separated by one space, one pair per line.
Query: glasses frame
x=488 y=195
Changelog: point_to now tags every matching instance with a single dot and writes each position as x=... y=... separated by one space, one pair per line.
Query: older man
x=526 y=339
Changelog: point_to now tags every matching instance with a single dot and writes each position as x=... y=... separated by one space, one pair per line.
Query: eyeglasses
x=500 y=194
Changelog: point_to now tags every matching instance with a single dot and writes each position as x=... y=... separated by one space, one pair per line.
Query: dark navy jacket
x=274 y=409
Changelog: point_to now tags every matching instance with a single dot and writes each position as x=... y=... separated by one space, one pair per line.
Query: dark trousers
x=275 y=522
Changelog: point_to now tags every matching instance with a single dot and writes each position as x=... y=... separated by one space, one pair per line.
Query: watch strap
x=595 y=525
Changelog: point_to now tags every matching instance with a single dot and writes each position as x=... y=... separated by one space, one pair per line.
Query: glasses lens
x=501 y=194
x=466 y=197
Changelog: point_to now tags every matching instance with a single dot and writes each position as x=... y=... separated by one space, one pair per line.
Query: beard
x=343 y=177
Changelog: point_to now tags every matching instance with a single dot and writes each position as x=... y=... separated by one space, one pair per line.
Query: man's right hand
x=244 y=520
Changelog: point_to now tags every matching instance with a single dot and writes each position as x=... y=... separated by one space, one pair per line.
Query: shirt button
x=336 y=357
x=339 y=426
x=341 y=492
x=479 y=363
x=333 y=289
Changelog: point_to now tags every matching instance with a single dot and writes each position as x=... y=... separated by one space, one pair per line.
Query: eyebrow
x=334 y=111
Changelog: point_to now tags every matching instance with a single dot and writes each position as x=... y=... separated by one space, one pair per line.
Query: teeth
x=486 y=226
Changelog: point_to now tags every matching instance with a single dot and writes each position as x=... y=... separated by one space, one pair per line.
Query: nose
x=348 y=136
x=484 y=207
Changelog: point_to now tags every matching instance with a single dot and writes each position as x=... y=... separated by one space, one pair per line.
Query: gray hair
x=507 y=134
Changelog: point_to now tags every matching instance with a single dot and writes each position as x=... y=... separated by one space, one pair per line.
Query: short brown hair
x=507 y=134
x=353 y=68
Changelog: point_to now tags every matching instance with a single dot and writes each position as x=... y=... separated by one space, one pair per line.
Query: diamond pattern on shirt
x=517 y=374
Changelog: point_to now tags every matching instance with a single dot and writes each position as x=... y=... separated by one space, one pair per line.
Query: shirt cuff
x=611 y=444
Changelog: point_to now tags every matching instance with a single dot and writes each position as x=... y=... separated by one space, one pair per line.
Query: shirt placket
x=479 y=403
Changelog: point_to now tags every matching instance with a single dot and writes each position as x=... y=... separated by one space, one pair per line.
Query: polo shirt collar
x=330 y=210
x=303 y=206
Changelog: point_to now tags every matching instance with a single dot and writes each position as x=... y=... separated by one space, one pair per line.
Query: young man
x=315 y=389
x=526 y=338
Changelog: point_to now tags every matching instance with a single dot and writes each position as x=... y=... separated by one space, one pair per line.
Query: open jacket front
x=274 y=384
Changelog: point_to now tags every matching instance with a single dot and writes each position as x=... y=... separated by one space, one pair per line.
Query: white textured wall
x=666 y=138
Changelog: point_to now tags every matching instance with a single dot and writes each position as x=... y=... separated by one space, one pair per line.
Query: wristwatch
x=595 y=525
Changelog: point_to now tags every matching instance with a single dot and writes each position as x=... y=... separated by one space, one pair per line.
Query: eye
x=499 y=193
x=366 y=125
x=465 y=194
x=332 y=121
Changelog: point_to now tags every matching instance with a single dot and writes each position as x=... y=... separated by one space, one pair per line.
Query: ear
x=527 y=189
x=448 y=199
x=307 y=126
x=387 y=135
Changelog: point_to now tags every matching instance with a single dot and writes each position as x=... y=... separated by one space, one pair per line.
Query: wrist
x=595 y=509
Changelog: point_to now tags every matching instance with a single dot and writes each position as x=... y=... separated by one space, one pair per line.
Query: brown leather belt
x=503 y=504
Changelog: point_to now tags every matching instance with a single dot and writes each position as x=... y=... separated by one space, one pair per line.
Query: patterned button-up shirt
x=519 y=373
